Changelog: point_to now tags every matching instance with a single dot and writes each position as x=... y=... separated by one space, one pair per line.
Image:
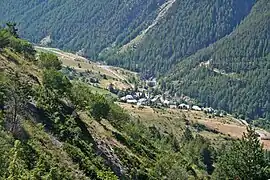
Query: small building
x=159 y=104
x=196 y=108
x=123 y=99
x=132 y=101
x=142 y=101
x=184 y=106
x=173 y=107
x=129 y=97
x=162 y=99
x=166 y=102
x=208 y=110
x=156 y=99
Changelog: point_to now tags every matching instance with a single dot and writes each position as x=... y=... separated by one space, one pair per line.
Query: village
x=140 y=99
x=146 y=93
x=145 y=96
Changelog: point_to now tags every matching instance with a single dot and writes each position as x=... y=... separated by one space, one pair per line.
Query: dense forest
x=47 y=131
x=187 y=27
x=102 y=28
x=232 y=74
x=77 y=25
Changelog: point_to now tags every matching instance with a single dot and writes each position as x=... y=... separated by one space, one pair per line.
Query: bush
x=4 y=38
x=49 y=61
x=100 y=108
x=57 y=82
x=22 y=46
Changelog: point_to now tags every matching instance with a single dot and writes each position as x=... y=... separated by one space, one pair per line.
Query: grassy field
x=217 y=129
x=116 y=76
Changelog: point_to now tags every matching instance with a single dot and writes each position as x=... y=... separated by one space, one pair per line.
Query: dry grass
x=11 y=62
x=116 y=76
x=174 y=121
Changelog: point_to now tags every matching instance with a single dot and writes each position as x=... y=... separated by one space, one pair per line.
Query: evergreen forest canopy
x=233 y=73
x=98 y=26
x=47 y=131
x=216 y=52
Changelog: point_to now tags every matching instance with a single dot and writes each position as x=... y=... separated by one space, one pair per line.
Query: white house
x=208 y=110
x=162 y=99
x=129 y=97
x=166 y=102
x=132 y=101
x=184 y=106
x=142 y=100
x=173 y=107
x=123 y=99
x=156 y=98
x=196 y=108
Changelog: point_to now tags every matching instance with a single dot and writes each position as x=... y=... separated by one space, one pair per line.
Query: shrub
x=57 y=82
x=49 y=61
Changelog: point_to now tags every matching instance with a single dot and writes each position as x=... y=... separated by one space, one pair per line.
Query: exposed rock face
x=112 y=160
x=101 y=146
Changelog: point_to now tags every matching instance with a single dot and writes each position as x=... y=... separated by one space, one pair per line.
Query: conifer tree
x=245 y=159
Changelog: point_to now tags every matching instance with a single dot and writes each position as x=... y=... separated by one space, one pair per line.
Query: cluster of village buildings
x=160 y=101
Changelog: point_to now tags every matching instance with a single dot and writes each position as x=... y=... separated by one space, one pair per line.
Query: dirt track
x=72 y=60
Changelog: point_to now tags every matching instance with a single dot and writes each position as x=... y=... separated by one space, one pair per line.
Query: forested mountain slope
x=187 y=27
x=75 y=25
x=171 y=29
x=54 y=128
x=232 y=74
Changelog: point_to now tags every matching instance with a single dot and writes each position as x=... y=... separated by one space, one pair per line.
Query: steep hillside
x=53 y=128
x=186 y=27
x=151 y=35
x=232 y=74
x=90 y=26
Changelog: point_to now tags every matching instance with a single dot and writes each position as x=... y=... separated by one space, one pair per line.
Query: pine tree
x=245 y=159
x=11 y=27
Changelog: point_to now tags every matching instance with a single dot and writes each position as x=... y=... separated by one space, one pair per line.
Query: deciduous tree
x=49 y=61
